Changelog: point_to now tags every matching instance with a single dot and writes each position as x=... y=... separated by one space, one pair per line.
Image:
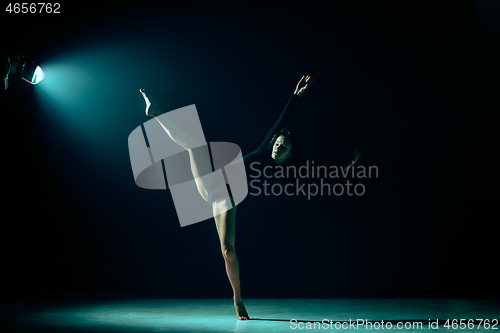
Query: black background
x=412 y=84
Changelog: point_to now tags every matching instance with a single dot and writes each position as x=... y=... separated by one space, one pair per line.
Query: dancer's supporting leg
x=199 y=156
x=225 y=223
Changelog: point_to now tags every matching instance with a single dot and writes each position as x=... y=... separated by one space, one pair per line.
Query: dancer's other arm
x=352 y=160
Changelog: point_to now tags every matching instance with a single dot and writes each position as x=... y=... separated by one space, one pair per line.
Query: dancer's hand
x=303 y=84
x=354 y=159
x=357 y=154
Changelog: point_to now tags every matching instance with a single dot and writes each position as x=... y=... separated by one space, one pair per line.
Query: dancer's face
x=281 y=149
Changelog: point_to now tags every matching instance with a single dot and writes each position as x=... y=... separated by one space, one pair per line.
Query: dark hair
x=297 y=157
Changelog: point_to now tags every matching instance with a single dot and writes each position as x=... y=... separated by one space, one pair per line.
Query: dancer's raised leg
x=225 y=223
x=198 y=152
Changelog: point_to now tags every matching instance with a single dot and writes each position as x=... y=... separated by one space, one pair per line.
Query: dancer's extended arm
x=304 y=82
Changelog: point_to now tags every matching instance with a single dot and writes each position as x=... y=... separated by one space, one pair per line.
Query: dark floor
x=146 y=314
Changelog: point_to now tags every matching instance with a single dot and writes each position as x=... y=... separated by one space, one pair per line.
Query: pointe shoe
x=152 y=108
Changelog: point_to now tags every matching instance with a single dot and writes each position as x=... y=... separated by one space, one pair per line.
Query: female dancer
x=276 y=148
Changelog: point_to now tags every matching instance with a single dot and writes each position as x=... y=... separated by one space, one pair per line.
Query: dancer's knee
x=229 y=252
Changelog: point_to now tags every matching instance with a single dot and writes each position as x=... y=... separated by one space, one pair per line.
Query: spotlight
x=32 y=73
x=25 y=70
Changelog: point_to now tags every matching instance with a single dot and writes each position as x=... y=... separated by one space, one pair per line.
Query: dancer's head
x=283 y=145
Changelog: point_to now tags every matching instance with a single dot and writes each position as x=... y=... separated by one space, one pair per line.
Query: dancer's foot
x=152 y=108
x=241 y=312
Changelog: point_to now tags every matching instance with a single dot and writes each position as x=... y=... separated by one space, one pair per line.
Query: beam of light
x=86 y=106
x=91 y=92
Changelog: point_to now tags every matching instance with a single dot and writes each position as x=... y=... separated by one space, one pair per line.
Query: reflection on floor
x=146 y=314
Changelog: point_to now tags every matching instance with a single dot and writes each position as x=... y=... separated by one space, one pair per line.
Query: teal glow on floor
x=216 y=315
